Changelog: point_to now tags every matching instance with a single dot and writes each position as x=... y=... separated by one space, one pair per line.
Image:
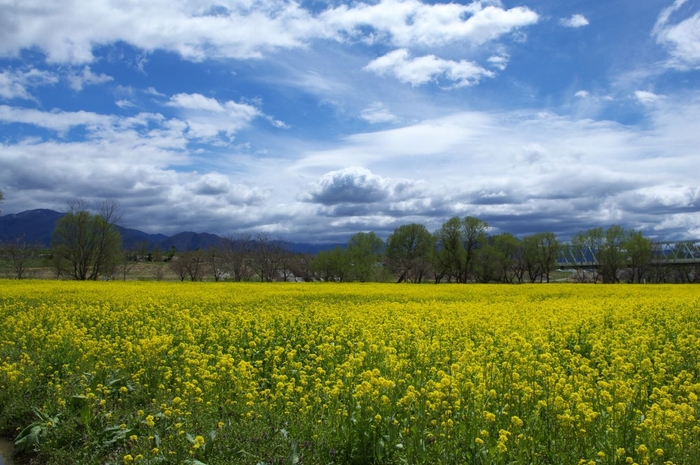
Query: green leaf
x=28 y=437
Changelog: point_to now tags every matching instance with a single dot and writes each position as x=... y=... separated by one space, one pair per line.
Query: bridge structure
x=676 y=253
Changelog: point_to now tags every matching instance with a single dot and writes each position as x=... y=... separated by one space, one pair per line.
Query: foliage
x=350 y=373
x=87 y=246
x=409 y=251
x=364 y=255
x=331 y=265
x=615 y=248
x=458 y=242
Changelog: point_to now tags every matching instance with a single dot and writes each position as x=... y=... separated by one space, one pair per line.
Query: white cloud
x=356 y=191
x=86 y=77
x=582 y=94
x=522 y=170
x=647 y=98
x=410 y=22
x=349 y=185
x=124 y=104
x=208 y=118
x=499 y=61
x=377 y=113
x=15 y=84
x=519 y=170
x=58 y=121
x=68 y=31
x=421 y=70
x=125 y=158
x=682 y=38
x=196 y=102
x=574 y=21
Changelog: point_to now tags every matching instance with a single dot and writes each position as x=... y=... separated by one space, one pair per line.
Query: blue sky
x=319 y=119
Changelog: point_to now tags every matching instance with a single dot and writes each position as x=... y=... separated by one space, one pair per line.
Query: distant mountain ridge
x=36 y=226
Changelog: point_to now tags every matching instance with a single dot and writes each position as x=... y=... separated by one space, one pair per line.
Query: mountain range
x=36 y=226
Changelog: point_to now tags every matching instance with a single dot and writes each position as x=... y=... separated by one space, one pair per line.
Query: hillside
x=36 y=226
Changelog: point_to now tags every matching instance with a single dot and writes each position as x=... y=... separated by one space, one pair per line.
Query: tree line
x=87 y=246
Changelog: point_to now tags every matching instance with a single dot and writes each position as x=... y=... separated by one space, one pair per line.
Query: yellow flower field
x=222 y=373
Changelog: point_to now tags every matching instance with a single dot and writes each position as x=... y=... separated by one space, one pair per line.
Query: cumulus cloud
x=574 y=21
x=220 y=186
x=682 y=39
x=421 y=70
x=349 y=185
x=131 y=159
x=521 y=171
x=15 y=84
x=68 y=31
x=377 y=113
x=357 y=185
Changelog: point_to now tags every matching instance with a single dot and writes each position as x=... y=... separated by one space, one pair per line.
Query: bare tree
x=189 y=265
x=216 y=263
x=179 y=267
x=20 y=254
x=237 y=252
x=129 y=260
x=267 y=256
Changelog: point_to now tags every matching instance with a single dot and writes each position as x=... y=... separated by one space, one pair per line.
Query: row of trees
x=86 y=246
x=462 y=251
x=241 y=257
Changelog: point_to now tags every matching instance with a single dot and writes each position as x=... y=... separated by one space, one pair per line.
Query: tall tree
x=508 y=247
x=585 y=246
x=331 y=265
x=267 y=256
x=409 y=251
x=639 y=252
x=237 y=251
x=612 y=256
x=87 y=245
x=531 y=258
x=450 y=253
x=364 y=253
x=457 y=244
x=548 y=247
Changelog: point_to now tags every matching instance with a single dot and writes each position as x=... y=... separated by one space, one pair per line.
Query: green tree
x=409 y=251
x=87 y=246
x=508 y=252
x=585 y=246
x=457 y=244
x=548 y=247
x=450 y=253
x=530 y=257
x=640 y=253
x=615 y=249
x=331 y=265
x=364 y=254
x=612 y=255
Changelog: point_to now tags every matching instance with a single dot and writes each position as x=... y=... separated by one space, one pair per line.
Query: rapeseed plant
x=225 y=373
